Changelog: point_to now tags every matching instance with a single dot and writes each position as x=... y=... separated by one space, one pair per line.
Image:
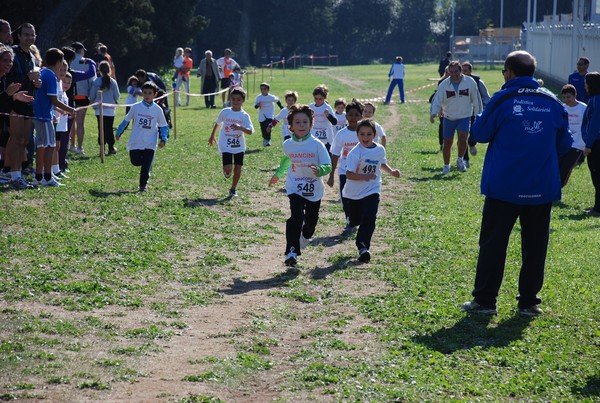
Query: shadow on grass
x=205 y=202
x=319 y=273
x=253 y=151
x=103 y=195
x=279 y=280
x=333 y=239
x=590 y=389
x=473 y=331
x=427 y=152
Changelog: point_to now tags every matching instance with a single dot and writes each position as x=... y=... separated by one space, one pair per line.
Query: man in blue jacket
x=527 y=129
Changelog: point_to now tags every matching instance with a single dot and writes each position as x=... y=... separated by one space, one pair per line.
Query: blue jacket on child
x=527 y=128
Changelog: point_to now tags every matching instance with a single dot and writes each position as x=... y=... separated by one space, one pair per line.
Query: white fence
x=557 y=47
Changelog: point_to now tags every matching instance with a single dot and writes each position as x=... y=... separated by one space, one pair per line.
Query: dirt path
x=218 y=330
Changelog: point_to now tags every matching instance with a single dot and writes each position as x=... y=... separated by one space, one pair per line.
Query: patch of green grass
x=200 y=399
x=96 y=385
x=151 y=332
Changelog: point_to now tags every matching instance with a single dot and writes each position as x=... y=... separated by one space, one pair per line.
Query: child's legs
x=263 y=129
x=80 y=126
x=48 y=155
x=390 y=91
x=311 y=217
x=147 y=159
x=293 y=225
x=237 y=174
x=39 y=160
x=17 y=142
x=367 y=209
x=345 y=201
x=136 y=157
x=109 y=134
x=401 y=89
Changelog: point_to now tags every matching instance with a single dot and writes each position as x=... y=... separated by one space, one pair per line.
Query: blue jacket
x=590 y=125
x=527 y=128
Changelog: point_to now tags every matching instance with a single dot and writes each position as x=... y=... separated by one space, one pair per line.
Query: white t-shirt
x=63 y=118
x=146 y=119
x=322 y=127
x=344 y=141
x=341 y=118
x=379 y=132
x=282 y=119
x=301 y=180
x=364 y=160
x=266 y=109
x=230 y=140
x=575 y=118
x=178 y=62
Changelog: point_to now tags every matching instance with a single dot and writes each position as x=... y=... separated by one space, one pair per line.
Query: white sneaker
x=5 y=177
x=304 y=242
x=446 y=170
x=79 y=151
x=51 y=183
x=473 y=150
x=467 y=164
x=291 y=258
x=73 y=149
x=460 y=164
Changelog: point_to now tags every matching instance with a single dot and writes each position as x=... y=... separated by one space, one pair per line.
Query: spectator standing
x=110 y=95
x=577 y=79
x=590 y=131
x=82 y=93
x=226 y=66
x=183 y=76
x=396 y=74
x=445 y=62
x=527 y=129
x=5 y=33
x=209 y=71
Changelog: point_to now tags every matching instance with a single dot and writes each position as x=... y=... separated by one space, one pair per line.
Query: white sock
x=460 y=159
x=15 y=175
x=446 y=165
x=55 y=169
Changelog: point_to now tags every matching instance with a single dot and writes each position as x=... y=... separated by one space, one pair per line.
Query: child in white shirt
x=291 y=97
x=340 y=114
x=266 y=111
x=324 y=116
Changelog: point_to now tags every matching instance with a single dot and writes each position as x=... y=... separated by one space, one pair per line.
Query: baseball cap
x=78 y=46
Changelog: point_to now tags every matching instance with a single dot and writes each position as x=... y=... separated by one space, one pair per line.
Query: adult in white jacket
x=456 y=100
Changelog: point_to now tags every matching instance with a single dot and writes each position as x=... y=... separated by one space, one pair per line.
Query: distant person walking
x=590 y=131
x=209 y=71
x=396 y=74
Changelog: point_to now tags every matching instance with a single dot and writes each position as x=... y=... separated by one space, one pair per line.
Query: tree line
x=145 y=33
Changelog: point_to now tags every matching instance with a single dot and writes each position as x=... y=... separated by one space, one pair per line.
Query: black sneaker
x=232 y=193
x=364 y=255
x=291 y=259
x=474 y=307
x=531 y=311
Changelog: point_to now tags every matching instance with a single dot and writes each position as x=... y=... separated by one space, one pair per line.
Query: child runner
x=363 y=170
x=266 y=111
x=234 y=123
x=340 y=114
x=306 y=160
x=324 y=116
x=63 y=127
x=576 y=110
x=133 y=91
x=368 y=113
x=291 y=97
x=149 y=124
x=61 y=120
x=46 y=98
x=345 y=141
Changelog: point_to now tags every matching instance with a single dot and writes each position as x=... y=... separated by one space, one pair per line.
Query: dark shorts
x=235 y=159
x=225 y=82
x=82 y=102
x=23 y=109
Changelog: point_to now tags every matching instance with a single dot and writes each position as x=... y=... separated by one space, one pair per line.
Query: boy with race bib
x=306 y=161
x=234 y=123
x=324 y=116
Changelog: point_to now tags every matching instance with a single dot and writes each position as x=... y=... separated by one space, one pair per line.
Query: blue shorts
x=450 y=126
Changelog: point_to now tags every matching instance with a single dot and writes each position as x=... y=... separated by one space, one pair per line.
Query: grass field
x=101 y=284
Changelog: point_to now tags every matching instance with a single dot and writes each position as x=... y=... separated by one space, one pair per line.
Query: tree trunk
x=244 y=38
x=58 y=22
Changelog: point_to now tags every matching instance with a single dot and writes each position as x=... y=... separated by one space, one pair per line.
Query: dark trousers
x=567 y=162
x=64 y=147
x=263 y=129
x=594 y=165
x=109 y=133
x=303 y=220
x=345 y=201
x=363 y=213
x=497 y=222
x=400 y=83
x=144 y=159
x=210 y=83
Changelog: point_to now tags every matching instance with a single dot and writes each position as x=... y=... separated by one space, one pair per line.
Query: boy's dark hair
x=292 y=94
x=151 y=85
x=54 y=56
x=585 y=60
x=568 y=89
x=69 y=53
x=265 y=84
x=593 y=82
x=339 y=101
x=371 y=104
x=239 y=91
x=366 y=123
x=299 y=108
x=399 y=59
x=141 y=73
x=354 y=104
x=322 y=90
